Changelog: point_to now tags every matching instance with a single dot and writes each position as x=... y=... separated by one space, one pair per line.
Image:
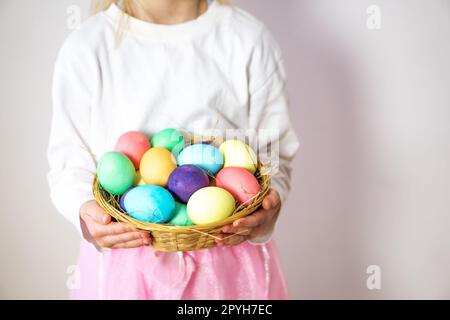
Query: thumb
x=97 y=214
x=271 y=200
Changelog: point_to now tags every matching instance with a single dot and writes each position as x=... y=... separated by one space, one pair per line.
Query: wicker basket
x=175 y=238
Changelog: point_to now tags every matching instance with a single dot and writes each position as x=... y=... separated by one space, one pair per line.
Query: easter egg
x=115 y=172
x=170 y=139
x=156 y=166
x=122 y=199
x=180 y=218
x=238 y=154
x=138 y=181
x=185 y=180
x=239 y=182
x=149 y=203
x=204 y=156
x=133 y=144
x=210 y=204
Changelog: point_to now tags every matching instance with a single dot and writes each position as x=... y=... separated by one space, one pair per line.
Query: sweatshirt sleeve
x=72 y=165
x=269 y=115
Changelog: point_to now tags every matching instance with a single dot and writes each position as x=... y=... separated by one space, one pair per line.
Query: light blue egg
x=149 y=203
x=204 y=156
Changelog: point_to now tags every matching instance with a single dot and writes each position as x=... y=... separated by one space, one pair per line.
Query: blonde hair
x=101 y=5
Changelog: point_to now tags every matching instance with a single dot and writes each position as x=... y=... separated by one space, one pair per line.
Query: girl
x=146 y=65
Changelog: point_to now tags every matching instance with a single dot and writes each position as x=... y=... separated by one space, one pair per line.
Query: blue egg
x=149 y=203
x=204 y=156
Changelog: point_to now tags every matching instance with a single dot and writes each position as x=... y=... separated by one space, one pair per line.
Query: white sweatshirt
x=221 y=71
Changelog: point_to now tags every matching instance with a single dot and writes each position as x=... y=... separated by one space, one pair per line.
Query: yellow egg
x=138 y=181
x=156 y=166
x=210 y=204
x=238 y=154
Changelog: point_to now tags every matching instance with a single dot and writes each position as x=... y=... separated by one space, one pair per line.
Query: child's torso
x=148 y=87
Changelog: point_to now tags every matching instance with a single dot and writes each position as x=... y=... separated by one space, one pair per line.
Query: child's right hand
x=107 y=234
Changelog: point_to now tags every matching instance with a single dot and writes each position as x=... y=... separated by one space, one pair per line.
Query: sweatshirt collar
x=203 y=24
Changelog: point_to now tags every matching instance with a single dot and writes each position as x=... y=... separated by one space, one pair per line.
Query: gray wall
x=372 y=179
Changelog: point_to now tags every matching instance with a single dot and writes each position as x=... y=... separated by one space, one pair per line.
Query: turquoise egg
x=180 y=218
x=149 y=203
x=204 y=156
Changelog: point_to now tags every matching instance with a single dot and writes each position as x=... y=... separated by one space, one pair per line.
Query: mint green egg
x=116 y=172
x=170 y=139
x=180 y=217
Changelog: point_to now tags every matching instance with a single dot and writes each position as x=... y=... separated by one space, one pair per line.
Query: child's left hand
x=255 y=226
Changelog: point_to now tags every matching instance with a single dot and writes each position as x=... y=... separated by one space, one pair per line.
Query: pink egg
x=239 y=182
x=133 y=144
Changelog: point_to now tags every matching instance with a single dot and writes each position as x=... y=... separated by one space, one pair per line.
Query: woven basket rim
x=239 y=212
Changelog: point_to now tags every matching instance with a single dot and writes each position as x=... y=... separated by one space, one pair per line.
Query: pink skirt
x=242 y=272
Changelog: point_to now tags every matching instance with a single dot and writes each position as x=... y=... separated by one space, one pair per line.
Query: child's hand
x=257 y=225
x=107 y=234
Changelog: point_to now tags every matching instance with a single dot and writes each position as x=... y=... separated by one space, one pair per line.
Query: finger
x=231 y=229
x=111 y=240
x=113 y=228
x=226 y=228
x=95 y=212
x=145 y=235
x=253 y=220
x=92 y=225
x=231 y=241
x=130 y=244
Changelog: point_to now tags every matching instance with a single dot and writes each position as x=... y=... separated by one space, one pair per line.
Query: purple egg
x=185 y=180
x=121 y=200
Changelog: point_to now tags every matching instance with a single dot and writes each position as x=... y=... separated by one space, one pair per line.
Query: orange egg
x=156 y=166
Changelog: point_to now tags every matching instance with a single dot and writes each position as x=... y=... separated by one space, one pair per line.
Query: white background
x=372 y=179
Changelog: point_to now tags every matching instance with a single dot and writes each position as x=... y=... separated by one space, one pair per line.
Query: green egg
x=180 y=217
x=116 y=172
x=170 y=139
